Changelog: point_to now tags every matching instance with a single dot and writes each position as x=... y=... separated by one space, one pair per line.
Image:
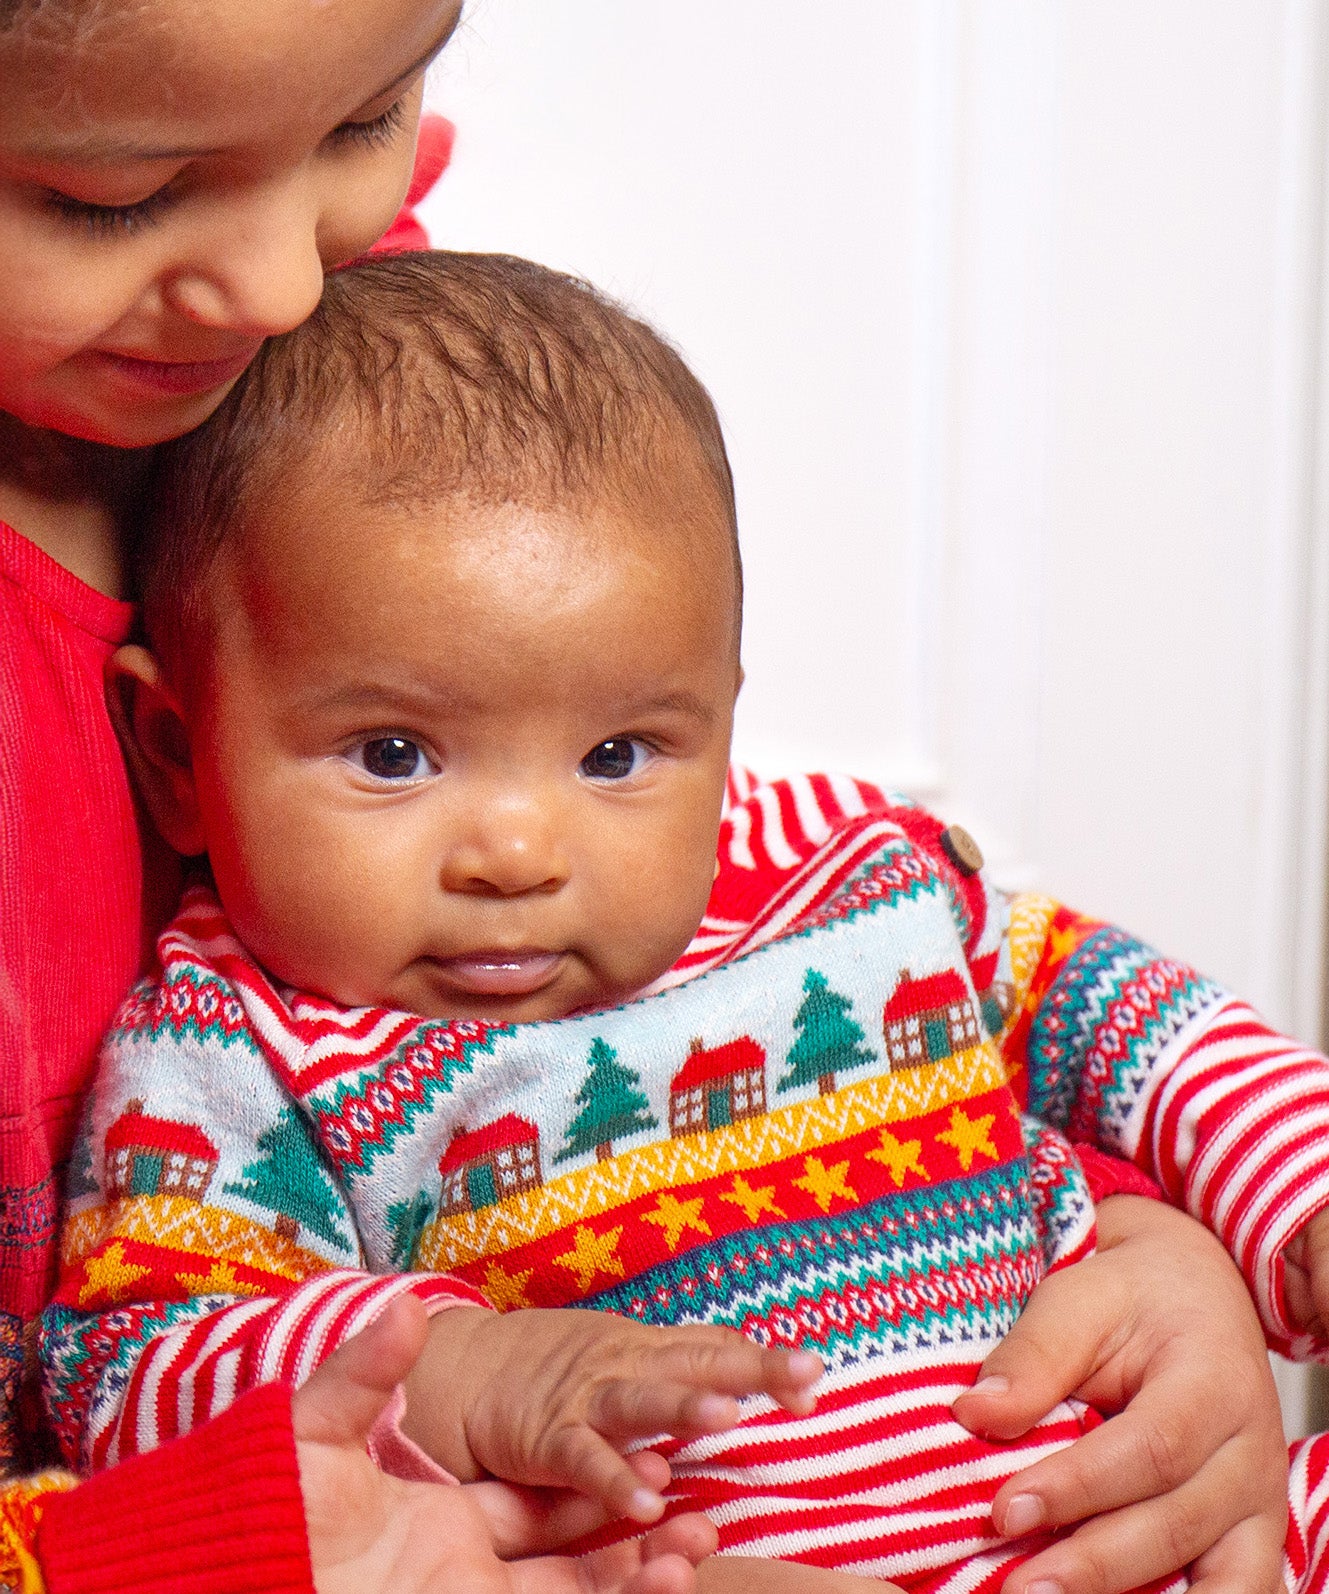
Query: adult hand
x=370 y=1533
x=1157 y=1327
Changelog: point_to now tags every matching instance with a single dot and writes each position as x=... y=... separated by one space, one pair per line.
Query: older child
x=444 y=606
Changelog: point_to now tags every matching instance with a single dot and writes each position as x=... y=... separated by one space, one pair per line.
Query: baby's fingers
x=724 y=1363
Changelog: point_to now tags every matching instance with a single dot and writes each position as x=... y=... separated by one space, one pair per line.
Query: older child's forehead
x=152 y=79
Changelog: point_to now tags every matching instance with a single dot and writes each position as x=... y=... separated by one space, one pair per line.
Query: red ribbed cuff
x=216 y=1511
x=1107 y=1175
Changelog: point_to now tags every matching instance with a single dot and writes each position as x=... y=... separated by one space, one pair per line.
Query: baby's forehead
x=323 y=526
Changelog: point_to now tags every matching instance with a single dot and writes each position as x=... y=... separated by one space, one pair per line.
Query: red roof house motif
x=718 y=1085
x=156 y=1156
x=485 y=1166
x=928 y=1020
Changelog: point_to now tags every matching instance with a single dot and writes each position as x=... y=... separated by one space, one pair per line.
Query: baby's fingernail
x=716 y=1412
x=805 y=1366
x=993 y=1384
x=645 y=1505
x=1023 y=1514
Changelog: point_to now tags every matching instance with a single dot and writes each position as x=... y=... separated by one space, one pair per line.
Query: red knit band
x=216 y=1511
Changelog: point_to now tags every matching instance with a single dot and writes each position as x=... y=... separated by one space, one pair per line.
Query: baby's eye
x=393 y=758
x=615 y=759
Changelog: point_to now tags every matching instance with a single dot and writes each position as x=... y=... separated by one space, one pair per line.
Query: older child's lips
x=177 y=376
x=501 y=973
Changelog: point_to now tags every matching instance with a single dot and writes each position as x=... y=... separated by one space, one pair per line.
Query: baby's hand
x=1306 y=1276
x=550 y=1397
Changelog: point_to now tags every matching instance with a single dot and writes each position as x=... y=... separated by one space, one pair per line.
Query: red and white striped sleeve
x=183 y=1378
x=1234 y=1123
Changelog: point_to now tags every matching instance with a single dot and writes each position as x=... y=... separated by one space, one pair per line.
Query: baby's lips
x=501 y=973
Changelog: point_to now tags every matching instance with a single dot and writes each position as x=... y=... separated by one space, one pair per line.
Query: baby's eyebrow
x=684 y=702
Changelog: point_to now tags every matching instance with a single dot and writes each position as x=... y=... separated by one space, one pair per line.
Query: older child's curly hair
x=432 y=375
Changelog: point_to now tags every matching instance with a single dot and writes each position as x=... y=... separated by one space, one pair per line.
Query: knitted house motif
x=718 y=1085
x=996 y=998
x=153 y=1156
x=928 y=1020
x=500 y=1160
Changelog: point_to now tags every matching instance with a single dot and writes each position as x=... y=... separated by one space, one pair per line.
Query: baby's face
x=468 y=762
x=175 y=177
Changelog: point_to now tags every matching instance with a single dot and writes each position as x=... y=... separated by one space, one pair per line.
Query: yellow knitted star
x=969 y=1136
x=110 y=1275
x=593 y=1253
x=673 y=1216
x=1061 y=943
x=823 y=1184
x=900 y=1156
x=754 y=1201
x=220 y=1280
x=506 y=1290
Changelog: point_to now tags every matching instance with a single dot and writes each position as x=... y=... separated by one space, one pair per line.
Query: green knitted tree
x=406 y=1221
x=289 y=1180
x=828 y=1038
x=612 y=1104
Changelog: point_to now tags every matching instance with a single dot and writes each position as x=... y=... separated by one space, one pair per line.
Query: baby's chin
x=437 y=989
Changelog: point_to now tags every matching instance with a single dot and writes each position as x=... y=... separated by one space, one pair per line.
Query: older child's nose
x=259 y=275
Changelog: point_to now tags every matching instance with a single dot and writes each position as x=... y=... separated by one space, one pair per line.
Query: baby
x=502 y=977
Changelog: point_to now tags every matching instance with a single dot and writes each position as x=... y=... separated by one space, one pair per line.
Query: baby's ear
x=155 y=741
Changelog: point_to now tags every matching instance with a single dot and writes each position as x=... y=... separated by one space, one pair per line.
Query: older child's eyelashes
x=392 y=760
x=374 y=133
x=615 y=759
x=107 y=219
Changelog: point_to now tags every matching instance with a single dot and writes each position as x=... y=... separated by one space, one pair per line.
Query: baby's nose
x=514 y=850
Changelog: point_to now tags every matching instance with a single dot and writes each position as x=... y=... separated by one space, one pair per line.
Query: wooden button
x=961 y=848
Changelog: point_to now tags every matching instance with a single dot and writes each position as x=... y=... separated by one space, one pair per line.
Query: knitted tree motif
x=612 y=1104
x=828 y=1038
x=406 y=1222
x=289 y=1180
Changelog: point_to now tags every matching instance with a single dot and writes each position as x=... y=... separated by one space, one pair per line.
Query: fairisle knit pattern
x=22 y=1502
x=820 y=1130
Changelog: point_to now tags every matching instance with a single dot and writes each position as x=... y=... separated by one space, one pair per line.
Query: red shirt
x=71 y=867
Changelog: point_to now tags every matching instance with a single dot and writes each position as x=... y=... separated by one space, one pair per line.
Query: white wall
x=1012 y=309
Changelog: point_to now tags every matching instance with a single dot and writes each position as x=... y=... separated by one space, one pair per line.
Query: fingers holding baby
x=1306 y=1277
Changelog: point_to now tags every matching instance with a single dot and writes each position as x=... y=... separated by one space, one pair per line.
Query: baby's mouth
x=500 y=973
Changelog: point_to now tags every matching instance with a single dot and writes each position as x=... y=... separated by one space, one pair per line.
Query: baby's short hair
x=432 y=375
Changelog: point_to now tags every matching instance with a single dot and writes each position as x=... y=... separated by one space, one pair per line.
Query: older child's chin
x=121 y=413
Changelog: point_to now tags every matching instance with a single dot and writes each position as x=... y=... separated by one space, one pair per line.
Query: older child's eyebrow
x=99 y=150
x=421 y=61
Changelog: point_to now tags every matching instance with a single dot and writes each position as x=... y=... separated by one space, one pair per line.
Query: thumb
x=1050 y=1351
x=343 y=1399
x=1316 y=1263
